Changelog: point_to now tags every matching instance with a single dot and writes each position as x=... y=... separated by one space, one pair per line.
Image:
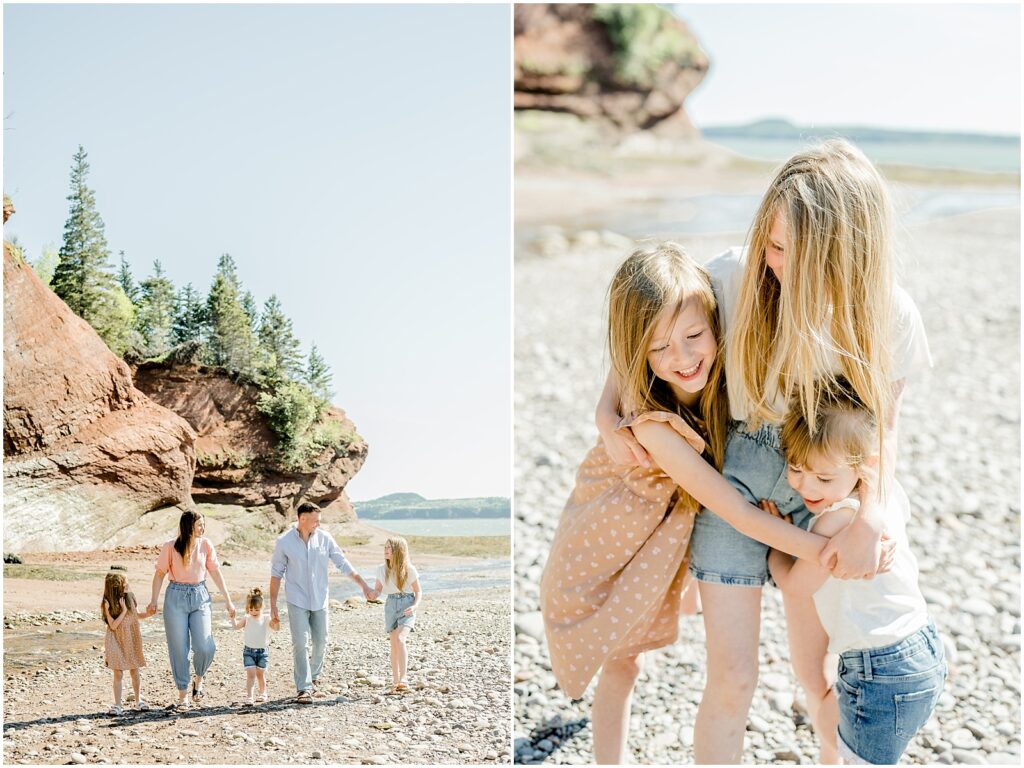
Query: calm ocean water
x=452 y=578
x=472 y=526
x=997 y=157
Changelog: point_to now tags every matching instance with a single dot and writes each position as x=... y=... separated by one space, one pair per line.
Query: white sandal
x=114 y=711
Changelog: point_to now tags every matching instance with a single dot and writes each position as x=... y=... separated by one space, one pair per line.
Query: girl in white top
x=826 y=465
x=398 y=579
x=257 y=625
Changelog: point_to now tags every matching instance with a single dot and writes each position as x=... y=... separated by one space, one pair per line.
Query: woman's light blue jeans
x=304 y=623
x=187 y=623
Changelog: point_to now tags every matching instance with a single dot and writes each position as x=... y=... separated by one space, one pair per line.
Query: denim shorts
x=394 y=607
x=755 y=467
x=254 y=657
x=886 y=694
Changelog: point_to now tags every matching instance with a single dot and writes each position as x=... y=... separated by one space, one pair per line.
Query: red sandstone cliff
x=85 y=452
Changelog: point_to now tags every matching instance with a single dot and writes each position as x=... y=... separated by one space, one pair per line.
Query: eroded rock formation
x=85 y=452
x=608 y=64
x=235 y=447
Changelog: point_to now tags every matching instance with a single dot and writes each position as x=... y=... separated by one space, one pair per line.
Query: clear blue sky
x=355 y=160
x=927 y=66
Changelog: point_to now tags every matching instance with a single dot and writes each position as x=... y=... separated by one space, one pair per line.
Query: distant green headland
x=397 y=506
x=783 y=129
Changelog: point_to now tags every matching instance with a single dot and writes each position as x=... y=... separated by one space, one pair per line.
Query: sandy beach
x=959 y=461
x=57 y=690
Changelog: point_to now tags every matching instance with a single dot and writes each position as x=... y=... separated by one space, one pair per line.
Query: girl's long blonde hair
x=835 y=297
x=398 y=569
x=647 y=283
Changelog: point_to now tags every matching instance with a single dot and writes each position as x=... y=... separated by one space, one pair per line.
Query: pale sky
x=354 y=160
x=928 y=66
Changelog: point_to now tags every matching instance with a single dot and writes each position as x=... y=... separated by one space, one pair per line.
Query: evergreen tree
x=155 y=319
x=249 y=305
x=124 y=277
x=280 y=349
x=318 y=375
x=231 y=343
x=46 y=264
x=83 y=277
x=189 y=316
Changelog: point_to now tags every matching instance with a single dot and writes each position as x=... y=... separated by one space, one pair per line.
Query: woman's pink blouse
x=205 y=559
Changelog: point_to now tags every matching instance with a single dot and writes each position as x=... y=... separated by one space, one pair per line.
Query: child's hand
x=624 y=449
x=888 y=553
x=121 y=603
x=773 y=510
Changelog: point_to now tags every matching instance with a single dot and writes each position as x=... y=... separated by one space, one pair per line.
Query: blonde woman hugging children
x=705 y=362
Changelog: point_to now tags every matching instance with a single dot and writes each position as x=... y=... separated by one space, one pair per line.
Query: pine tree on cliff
x=83 y=277
x=317 y=375
x=156 y=312
x=249 y=305
x=189 y=316
x=124 y=277
x=230 y=343
x=282 y=357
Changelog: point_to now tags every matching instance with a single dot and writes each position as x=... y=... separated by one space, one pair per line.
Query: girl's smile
x=682 y=350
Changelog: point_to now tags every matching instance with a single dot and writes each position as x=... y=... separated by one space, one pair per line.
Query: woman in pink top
x=187 y=606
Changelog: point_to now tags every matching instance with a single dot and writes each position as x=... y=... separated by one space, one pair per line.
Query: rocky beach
x=959 y=452
x=57 y=690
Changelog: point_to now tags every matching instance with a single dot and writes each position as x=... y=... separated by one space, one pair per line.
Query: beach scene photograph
x=257 y=384
x=767 y=393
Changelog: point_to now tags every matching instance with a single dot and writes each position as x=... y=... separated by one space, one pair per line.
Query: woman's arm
x=158 y=580
x=674 y=455
x=218 y=579
x=857 y=548
x=415 y=603
x=622 y=447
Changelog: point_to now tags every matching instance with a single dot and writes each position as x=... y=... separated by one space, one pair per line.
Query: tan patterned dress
x=614 y=579
x=123 y=646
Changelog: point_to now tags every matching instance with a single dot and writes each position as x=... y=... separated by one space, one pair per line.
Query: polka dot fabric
x=618 y=563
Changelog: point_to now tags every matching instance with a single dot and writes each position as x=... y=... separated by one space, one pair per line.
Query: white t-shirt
x=910 y=354
x=256 y=630
x=873 y=613
x=390 y=588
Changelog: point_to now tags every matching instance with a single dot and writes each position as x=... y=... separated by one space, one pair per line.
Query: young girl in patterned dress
x=617 y=569
x=123 y=642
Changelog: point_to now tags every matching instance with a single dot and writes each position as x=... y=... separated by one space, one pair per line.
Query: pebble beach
x=959 y=460
x=57 y=690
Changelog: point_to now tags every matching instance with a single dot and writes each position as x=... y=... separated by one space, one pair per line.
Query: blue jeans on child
x=886 y=694
x=253 y=658
x=187 y=624
x=755 y=467
x=304 y=623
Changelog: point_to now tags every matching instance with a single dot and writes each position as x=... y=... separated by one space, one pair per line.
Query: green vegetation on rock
x=644 y=36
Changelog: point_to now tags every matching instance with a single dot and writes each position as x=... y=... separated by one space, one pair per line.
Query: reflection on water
x=447 y=578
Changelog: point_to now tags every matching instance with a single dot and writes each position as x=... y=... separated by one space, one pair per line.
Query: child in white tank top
x=891 y=666
x=256 y=641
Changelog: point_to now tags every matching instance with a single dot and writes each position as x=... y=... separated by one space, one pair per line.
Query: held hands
x=275 y=620
x=368 y=593
x=231 y=610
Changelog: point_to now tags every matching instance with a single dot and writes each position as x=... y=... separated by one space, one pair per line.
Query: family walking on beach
x=301 y=558
x=748 y=430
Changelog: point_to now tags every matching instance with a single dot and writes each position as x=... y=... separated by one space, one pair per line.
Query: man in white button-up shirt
x=303 y=553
